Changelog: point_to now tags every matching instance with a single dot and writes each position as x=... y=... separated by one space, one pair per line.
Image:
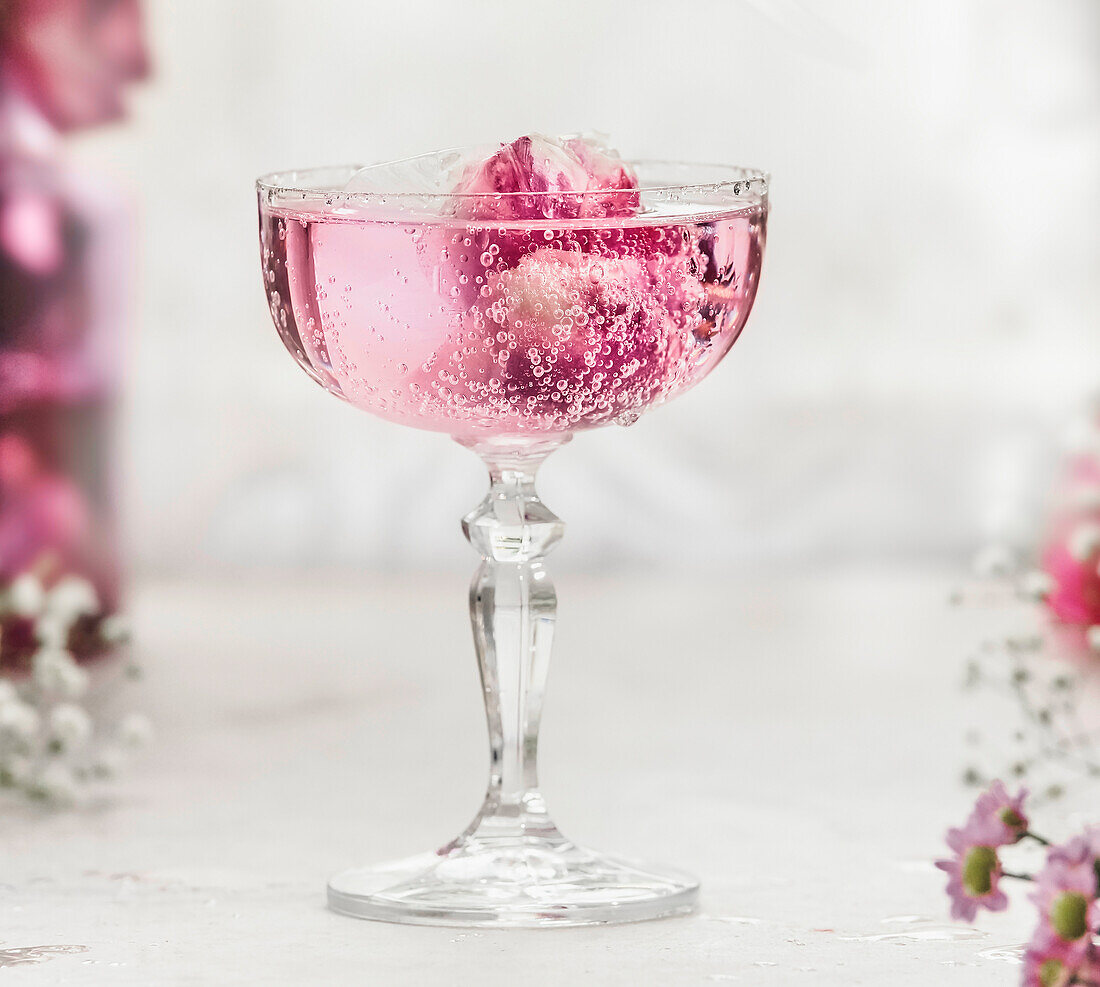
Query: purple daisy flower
x=1051 y=962
x=1088 y=974
x=999 y=808
x=1048 y=962
x=1066 y=896
x=974 y=872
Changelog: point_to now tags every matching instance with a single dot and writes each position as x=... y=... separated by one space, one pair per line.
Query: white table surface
x=794 y=740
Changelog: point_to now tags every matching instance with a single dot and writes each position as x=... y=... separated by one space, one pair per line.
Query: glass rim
x=737 y=181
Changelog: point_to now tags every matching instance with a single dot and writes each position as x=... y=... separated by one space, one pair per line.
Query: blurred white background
x=928 y=312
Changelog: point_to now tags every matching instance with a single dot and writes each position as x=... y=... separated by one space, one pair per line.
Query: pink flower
x=573 y=324
x=974 y=872
x=1072 y=560
x=1001 y=810
x=1066 y=896
x=537 y=177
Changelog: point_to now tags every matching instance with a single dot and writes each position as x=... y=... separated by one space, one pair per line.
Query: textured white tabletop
x=793 y=740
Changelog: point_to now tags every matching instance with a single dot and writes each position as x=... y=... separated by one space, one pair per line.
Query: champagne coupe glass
x=462 y=314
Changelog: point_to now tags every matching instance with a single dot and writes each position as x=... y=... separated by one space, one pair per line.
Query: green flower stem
x=1037 y=838
x=1019 y=877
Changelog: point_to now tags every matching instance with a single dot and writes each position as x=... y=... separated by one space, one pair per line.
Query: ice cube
x=532 y=177
x=536 y=177
x=434 y=173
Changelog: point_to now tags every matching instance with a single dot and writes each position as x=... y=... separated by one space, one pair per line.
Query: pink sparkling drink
x=489 y=326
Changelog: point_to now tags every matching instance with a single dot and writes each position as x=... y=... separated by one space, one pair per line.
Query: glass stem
x=513 y=607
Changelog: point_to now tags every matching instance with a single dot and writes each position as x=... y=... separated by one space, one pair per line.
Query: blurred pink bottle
x=64 y=66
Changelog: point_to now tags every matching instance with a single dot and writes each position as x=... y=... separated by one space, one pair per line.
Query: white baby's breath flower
x=1093 y=636
x=1083 y=540
x=1036 y=585
x=56 y=783
x=108 y=762
x=19 y=721
x=25 y=595
x=56 y=672
x=134 y=730
x=70 y=725
x=114 y=629
x=72 y=596
x=994 y=561
x=52 y=631
x=8 y=692
x=15 y=769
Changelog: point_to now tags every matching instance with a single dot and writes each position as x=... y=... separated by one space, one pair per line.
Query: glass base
x=519 y=883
